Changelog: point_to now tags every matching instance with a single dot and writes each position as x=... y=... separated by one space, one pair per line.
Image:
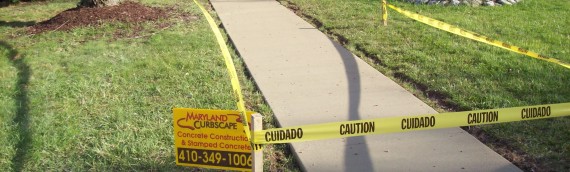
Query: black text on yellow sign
x=409 y=123
x=212 y=139
x=208 y=158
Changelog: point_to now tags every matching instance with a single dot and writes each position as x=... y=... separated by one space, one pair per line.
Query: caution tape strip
x=409 y=123
x=475 y=36
x=231 y=68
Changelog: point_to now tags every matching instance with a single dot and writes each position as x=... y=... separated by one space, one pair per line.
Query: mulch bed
x=126 y=12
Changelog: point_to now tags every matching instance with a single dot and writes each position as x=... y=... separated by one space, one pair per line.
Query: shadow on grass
x=21 y=103
x=16 y=24
x=4 y=3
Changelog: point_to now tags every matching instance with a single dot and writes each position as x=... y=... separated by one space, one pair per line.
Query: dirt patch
x=518 y=157
x=126 y=12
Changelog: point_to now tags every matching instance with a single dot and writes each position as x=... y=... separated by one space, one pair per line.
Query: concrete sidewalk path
x=307 y=79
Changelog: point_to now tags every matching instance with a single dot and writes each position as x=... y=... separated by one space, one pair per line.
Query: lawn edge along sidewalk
x=307 y=78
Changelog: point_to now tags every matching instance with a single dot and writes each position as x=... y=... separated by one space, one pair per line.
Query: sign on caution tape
x=229 y=64
x=409 y=123
x=212 y=139
x=475 y=36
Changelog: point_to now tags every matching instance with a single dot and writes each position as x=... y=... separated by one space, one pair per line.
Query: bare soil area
x=127 y=12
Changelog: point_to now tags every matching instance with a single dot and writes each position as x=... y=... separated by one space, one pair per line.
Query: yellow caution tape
x=231 y=68
x=474 y=36
x=409 y=123
x=393 y=124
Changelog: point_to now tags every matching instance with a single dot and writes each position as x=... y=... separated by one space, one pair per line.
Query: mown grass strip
x=475 y=36
x=230 y=66
x=277 y=157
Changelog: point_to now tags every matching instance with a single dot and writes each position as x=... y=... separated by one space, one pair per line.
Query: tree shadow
x=4 y=3
x=21 y=102
x=17 y=23
x=361 y=157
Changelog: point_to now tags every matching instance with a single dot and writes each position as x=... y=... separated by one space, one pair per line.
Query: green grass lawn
x=83 y=100
x=456 y=73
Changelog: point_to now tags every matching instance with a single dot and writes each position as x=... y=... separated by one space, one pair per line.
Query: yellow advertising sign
x=212 y=139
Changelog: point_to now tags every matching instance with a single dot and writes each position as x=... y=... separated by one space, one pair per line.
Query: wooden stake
x=256 y=152
x=384 y=13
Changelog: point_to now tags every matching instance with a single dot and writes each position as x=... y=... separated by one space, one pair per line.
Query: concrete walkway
x=308 y=79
